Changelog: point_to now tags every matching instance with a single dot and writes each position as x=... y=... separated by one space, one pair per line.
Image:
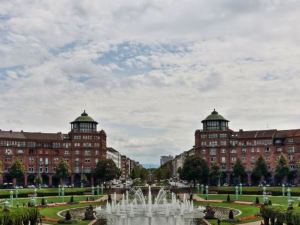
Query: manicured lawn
x=52 y=212
x=245 y=209
x=281 y=200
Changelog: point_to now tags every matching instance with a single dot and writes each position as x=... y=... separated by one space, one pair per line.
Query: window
x=223 y=150
x=46 y=161
x=223 y=143
x=243 y=158
x=87 y=144
x=66 y=152
x=212 y=159
x=244 y=150
x=203 y=151
x=56 y=145
x=96 y=152
x=213 y=151
x=77 y=152
x=77 y=137
x=223 y=135
x=291 y=149
x=20 y=151
x=87 y=152
x=203 y=135
x=8 y=151
x=97 y=145
x=213 y=143
x=233 y=159
x=30 y=169
x=213 y=136
x=233 y=151
x=87 y=160
x=203 y=143
x=223 y=159
x=290 y=140
x=76 y=144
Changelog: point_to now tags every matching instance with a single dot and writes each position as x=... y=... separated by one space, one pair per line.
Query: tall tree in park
x=16 y=171
x=62 y=171
x=239 y=171
x=106 y=170
x=38 y=180
x=260 y=170
x=282 y=169
x=195 y=169
x=139 y=172
x=214 y=174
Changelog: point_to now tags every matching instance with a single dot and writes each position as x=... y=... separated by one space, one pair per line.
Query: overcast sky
x=149 y=70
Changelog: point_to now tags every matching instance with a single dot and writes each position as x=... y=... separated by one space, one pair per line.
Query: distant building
x=222 y=146
x=166 y=158
x=178 y=161
x=82 y=147
x=114 y=155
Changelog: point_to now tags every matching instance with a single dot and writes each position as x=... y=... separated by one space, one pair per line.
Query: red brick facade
x=40 y=153
x=221 y=145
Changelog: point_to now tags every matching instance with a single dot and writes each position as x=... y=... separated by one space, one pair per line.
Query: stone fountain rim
x=239 y=211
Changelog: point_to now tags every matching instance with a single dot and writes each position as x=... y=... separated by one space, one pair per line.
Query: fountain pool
x=137 y=209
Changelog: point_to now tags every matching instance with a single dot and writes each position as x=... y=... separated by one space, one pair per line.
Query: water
x=136 y=209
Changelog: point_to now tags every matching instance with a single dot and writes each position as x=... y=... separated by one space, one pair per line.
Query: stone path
x=252 y=223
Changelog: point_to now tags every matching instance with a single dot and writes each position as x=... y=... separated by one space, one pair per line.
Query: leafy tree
x=38 y=179
x=195 y=169
x=16 y=171
x=139 y=172
x=239 y=171
x=282 y=169
x=214 y=174
x=260 y=170
x=164 y=171
x=62 y=171
x=106 y=170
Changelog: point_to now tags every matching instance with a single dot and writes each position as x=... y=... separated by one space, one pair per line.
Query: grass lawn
x=281 y=200
x=20 y=201
x=52 y=212
x=245 y=209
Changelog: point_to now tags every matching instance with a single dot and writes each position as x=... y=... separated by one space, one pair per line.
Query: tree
x=62 y=171
x=195 y=169
x=282 y=170
x=38 y=179
x=16 y=171
x=139 y=172
x=260 y=170
x=106 y=170
x=214 y=174
x=239 y=172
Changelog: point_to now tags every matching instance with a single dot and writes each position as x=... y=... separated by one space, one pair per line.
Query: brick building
x=221 y=145
x=40 y=153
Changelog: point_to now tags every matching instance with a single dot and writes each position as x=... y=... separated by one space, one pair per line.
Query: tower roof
x=215 y=116
x=84 y=117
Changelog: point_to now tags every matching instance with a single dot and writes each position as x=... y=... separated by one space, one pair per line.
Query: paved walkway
x=252 y=223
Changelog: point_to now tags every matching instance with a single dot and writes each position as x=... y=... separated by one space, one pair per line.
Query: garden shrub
x=230 y=215
x=228 y=198
x=68 y=216
x=256 y=200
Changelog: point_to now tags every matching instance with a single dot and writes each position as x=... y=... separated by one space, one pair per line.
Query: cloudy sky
x=149 y=70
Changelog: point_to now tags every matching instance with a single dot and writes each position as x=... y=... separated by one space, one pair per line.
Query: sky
x=149 y=70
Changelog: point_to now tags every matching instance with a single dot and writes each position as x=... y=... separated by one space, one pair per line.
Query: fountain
x=137 y=209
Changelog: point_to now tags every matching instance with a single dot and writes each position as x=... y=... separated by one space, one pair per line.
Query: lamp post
x=198 y=188
x=289 y=194
x=241 y=188
x=63 y=193
x=11 y=198
x=236 y=193
x=206 y=191
x=202 y=189
x=59 y=193
x=81 y=180
x=283 y=190
x=98 y=190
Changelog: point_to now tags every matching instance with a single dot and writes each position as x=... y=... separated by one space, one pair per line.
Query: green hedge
x=23 y=193
x=275 y=191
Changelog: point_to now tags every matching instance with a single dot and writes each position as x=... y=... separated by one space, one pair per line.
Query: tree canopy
x=62 y=170
x=260 y=170
x=282 y=169
x=106 y=170
x=239 y=171
x=195 y=169
x=214 y=174
x=16 y=171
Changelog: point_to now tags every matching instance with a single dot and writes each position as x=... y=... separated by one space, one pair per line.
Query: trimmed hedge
x=24 y=193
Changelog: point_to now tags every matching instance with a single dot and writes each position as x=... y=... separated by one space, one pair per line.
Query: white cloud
x=156 y=68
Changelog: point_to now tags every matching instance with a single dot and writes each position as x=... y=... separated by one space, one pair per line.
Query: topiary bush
x=257 y=201
x=68 y=216
x=230 y=215
x=228 y=198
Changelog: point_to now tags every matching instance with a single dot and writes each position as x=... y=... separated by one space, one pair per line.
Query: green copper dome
x=84 y=118
x=215 y=116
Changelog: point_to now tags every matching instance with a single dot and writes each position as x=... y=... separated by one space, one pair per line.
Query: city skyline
x=149 y=71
